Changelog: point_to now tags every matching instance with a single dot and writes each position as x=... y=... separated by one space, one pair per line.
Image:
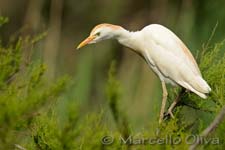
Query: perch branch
x=196 y=107
x=219 y=118
x=17 y=146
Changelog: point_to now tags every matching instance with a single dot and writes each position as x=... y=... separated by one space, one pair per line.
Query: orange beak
x=86 y=41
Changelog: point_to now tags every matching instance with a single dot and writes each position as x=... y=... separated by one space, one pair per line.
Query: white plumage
x=173 y=60
x=164 y=52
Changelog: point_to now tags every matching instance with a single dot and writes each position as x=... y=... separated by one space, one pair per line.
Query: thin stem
x=219 y=118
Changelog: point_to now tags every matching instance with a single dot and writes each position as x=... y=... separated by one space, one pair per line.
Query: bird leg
x=164 y=98
x=169 y=112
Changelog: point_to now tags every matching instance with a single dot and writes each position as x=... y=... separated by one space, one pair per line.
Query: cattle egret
x=163 y=51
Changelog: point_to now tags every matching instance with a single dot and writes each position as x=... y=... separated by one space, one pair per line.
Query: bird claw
x=168 y=114
x=171 y=114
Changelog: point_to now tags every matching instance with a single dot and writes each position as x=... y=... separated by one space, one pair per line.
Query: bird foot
x=171 y=114
x=168 y=114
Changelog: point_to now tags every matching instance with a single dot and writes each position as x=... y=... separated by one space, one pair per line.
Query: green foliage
x=24 y=95
x=113 y=91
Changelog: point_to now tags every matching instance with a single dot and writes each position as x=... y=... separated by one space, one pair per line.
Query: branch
x=12 y=77
x=19 y=147
x=219 y=118
x=196 y=107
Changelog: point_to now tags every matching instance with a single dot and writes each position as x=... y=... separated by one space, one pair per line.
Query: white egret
x=163 y=51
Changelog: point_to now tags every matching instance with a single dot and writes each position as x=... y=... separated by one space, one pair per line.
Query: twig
x=206 y=46
x=19 y=147
x=12 y=77
x=196 y=108
x=219 y=118
x=211 y=36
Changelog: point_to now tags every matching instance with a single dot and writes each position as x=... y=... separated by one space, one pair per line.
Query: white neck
x=127 y=38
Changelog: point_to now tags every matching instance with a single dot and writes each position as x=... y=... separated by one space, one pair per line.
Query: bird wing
x=165 y=38
x=173 y=59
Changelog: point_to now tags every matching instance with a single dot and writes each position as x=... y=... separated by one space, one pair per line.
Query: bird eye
x=97 y=34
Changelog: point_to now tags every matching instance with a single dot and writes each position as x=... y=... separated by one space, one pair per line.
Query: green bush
x=24 y=96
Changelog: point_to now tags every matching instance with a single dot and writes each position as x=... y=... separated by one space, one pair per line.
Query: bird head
x=99 y=33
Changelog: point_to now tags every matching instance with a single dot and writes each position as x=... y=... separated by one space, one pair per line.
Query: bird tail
x=202 y=86
x=199 y=86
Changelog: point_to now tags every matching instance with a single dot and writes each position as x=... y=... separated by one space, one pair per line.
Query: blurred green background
x=68 y=22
